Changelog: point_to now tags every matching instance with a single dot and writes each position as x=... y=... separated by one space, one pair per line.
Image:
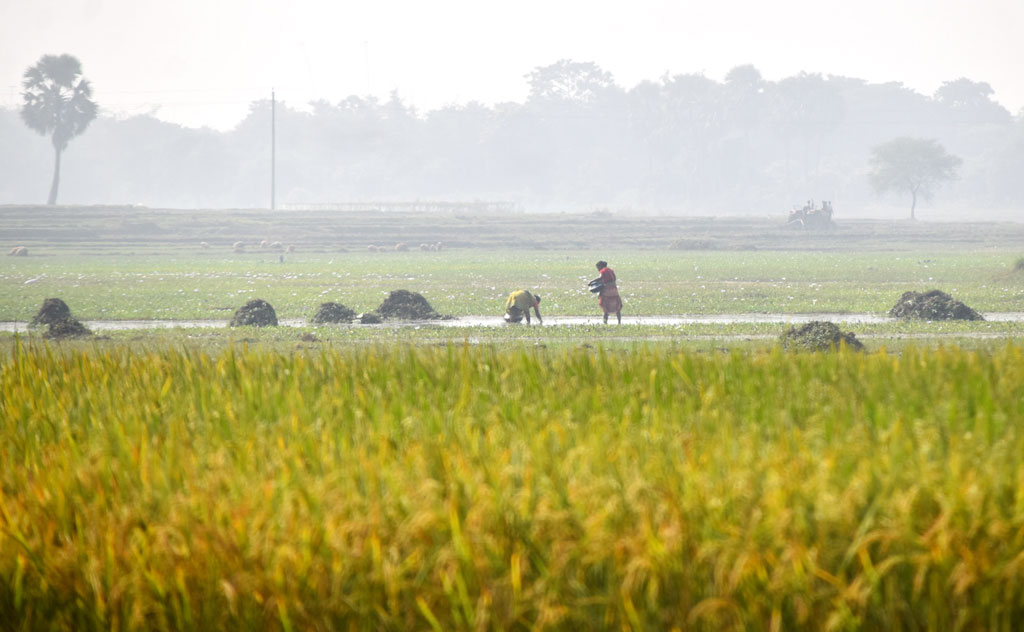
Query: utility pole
x=273 y=148
x=366 y=63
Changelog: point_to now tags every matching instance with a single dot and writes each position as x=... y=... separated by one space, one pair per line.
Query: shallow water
x=496 y=321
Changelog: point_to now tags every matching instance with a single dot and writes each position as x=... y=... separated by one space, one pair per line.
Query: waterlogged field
x=466 y=487
x=200 y=285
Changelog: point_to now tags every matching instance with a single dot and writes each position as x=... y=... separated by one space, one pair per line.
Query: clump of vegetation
x=56 y=314
x=66 y=328
x=818 y=335
x=255 y=313
x=932 y=305
x=369 y=318
x=333 y=313
x=53 y=310
x=406 y=305
x=1018 y=266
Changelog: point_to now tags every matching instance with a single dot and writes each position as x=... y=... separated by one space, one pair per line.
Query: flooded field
x=496 y=321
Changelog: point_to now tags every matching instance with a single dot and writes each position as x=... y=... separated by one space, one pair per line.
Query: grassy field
x=126 y=263
x=455 y=487
x=474 y=282
x=145 y=263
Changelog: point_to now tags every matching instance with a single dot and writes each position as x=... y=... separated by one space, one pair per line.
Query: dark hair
x=536 y=297
x=602 y=264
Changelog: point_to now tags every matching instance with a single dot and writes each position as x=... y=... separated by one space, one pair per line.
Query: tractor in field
x=811 y=217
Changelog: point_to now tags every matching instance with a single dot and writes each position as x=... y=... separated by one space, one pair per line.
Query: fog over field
x=736 y=109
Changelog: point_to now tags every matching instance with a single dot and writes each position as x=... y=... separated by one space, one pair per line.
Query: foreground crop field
x=460 y=487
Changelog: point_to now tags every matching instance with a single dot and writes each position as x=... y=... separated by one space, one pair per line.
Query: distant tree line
x=683 y=143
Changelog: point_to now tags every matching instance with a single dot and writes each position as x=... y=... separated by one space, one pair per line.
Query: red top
x=608 y=277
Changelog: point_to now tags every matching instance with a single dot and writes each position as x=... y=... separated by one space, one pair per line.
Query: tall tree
x=59 y=103
x=914 y=165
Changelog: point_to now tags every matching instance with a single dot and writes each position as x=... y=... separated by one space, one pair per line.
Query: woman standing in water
x=609 y=299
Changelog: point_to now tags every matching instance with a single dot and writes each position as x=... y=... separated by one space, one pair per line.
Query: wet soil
x=11 y=326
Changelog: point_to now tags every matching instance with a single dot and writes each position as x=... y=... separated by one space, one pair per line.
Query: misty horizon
x=118 y=109
x=203 y=63
x=579 y=140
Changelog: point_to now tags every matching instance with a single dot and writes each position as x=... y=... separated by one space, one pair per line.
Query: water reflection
x=549 y=321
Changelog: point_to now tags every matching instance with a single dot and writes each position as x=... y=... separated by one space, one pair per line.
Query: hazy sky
x=201 y=62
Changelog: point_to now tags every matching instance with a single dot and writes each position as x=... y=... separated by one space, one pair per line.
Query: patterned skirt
x=610 y=301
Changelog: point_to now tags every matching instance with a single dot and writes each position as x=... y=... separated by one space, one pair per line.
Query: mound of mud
x=53 y=311
x=818 y=335
x=932 y=305
x=370 y=318
x=406 y=305
x=66 y=328
x=332 y=313
x=255 y=313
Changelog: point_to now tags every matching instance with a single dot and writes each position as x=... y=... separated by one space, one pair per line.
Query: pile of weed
x=332 y=313
x=66 y=328
x=369 y=318
x=56 y=314
x=255 y=313
x=53 y=310
x=818 y=335
x=932 y=305
x=406 y=305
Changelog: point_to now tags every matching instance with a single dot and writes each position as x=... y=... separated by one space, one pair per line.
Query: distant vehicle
x=811 y=217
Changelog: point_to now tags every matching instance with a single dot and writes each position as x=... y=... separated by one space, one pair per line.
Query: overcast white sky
x=201 y=62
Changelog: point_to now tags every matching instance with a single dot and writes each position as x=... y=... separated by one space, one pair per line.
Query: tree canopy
x=912 y=165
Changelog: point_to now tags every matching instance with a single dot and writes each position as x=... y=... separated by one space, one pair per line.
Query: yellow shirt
x=520 y=299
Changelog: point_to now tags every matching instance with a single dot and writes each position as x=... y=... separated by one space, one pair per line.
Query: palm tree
x=58 y=103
